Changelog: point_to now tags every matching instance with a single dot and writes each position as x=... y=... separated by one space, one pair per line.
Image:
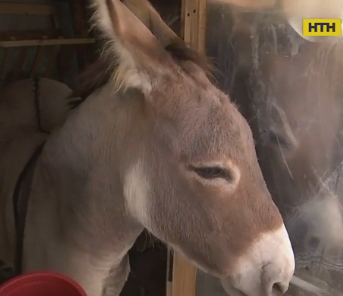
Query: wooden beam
x=193 y=18
x=46 y=42
x=29 y=9
x=169 y=273
x=184 y=277
x=29 y=35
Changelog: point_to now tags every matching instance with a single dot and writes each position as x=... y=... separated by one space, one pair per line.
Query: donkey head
x=189 y=169
x=301 y=136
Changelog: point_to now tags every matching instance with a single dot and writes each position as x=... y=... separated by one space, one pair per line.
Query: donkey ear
x=168 y=39
x=151 y=19
x=139 y=57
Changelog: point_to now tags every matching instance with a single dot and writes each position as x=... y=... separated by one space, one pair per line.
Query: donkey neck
x=82 y=167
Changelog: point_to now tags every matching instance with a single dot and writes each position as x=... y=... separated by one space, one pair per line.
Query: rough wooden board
x=27 y=9
x=46 y=42
x=193 y=18
x=184 y=277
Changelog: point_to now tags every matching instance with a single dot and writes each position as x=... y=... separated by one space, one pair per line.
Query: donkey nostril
x=279 y=288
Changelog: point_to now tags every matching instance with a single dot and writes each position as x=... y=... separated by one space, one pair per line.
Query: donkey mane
x=100 y=72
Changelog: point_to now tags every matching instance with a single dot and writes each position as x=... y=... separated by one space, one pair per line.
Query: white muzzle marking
x=268 y=266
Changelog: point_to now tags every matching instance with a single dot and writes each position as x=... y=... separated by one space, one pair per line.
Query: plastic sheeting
x=290 y=88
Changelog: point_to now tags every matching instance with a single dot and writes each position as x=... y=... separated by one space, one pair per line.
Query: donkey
x=154 y=145
x=300 y=147
x=289 y=90
x=303 y=128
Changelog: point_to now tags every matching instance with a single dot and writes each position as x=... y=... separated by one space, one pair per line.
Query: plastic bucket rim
x=21 y=281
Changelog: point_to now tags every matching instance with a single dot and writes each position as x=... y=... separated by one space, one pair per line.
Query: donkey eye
x=212 y=172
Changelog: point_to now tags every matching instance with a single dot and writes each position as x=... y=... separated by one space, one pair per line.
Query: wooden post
x=193 y=18
x=184 y=277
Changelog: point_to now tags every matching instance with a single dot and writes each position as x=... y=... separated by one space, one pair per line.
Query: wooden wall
x=42 y=38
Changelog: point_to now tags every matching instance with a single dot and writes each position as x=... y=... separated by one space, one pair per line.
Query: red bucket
x=41 y=283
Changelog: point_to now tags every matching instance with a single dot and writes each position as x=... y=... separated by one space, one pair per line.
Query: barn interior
x=286 y=85
x=52 y=39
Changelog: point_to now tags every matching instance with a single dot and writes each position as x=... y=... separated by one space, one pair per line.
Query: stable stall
x=285 y=84
x=51 y=39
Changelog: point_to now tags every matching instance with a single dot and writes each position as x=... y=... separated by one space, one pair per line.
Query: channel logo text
x=322 y=27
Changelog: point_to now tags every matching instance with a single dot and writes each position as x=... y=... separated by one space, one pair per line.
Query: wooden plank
x=202 y=13
x=184 y=277
x=9 y=35
x=193 y=19
x=28 y=9
x=169 y=278
x=46 y=42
